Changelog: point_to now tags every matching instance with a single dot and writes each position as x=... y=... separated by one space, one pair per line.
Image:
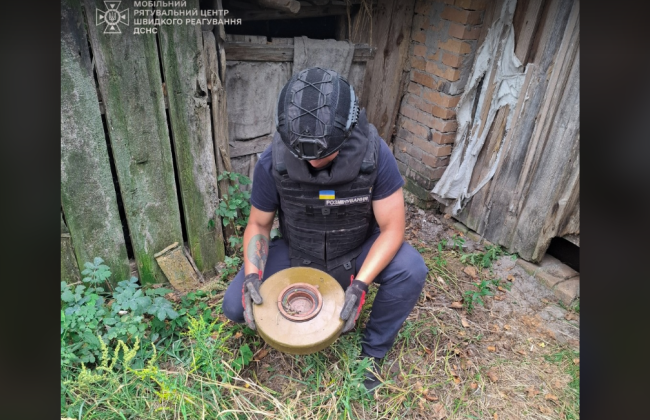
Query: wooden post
x=88 y=195
x=216 y=69
x=69 y=268
x=383 y=82
x=184 y=65
x=130 y=83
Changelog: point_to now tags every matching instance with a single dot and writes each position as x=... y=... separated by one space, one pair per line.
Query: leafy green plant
x=87 y=318
x=234 y=207
x=474 y=297
x=459 y=242
x=483 y=259
x=232 y=265
x=500 y=283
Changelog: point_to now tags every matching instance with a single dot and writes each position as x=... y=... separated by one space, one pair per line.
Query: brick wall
x=443 y=44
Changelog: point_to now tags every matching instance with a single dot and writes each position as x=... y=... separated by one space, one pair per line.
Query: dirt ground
x=515 y=357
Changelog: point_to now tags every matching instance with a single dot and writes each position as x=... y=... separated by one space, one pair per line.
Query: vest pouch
x=341 y=273
x=339 y=242
x=310 y=243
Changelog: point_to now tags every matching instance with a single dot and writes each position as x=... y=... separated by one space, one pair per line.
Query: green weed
x=234 y=207
x=474 y=297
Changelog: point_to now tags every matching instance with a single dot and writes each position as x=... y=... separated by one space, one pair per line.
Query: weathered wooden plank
x=244 y=148
x=69 y=268
x=248 y=51
x=130 y=82
x=183 y=63
x=526 y=22
x=551 y=191
x=382 y=82
x=306 y=11
x=88 y=195
x=216 y=74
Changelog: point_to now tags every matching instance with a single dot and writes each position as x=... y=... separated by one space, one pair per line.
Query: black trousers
x=401 y=283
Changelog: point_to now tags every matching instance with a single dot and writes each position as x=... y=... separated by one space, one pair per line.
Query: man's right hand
x=250 y=295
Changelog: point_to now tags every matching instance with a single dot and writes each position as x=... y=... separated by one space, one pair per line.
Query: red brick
x=423 y=7
x=417 y=102
x=423 y=117
x=418 y=63
x=455 y=46
x=463 y=32
x=443 y=138
x=471 y=4
x=434 y=57
x=415 y=89
x=439 y=98
x=420 y=36
x=443 y=125
x=415 y=128
x=406 y=147
x=462 y=16
x=443 y=71
x=420 y=50
x=452 y=60
x=434 y=161
x=423 y=79
x=444 y=113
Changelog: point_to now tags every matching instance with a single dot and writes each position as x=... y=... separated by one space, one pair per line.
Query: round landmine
x=300 y=310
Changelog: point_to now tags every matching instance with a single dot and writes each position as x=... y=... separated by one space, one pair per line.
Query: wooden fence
x=138 y=103
x=145 y=134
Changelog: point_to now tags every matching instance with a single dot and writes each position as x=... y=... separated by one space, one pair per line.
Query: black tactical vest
x=327 y=233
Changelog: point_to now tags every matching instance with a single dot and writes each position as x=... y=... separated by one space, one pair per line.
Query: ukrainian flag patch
x=326 y=195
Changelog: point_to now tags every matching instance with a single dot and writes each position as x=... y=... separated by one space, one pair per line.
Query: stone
x=461 y=227
x=557 y=268
x=568 y=290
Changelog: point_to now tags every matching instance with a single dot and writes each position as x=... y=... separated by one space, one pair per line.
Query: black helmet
x=317 y=110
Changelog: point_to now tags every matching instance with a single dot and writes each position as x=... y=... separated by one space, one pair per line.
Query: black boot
x=371 y=381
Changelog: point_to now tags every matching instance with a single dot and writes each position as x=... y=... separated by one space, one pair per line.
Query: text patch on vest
x=347 y=201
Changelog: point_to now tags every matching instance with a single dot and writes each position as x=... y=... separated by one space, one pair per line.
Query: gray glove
x=251 y=294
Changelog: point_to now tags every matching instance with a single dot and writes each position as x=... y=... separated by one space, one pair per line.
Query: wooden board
x=306 y=11
x=534 y=194
x=128 y=71
x=69 y=269
x=248 y=51
x=383 y=83
x=88 y=195
x=183 y=62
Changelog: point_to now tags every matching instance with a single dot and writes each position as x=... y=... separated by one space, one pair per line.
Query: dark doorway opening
x=565 y=251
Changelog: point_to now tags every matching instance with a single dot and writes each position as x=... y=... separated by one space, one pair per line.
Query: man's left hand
x=355 y=296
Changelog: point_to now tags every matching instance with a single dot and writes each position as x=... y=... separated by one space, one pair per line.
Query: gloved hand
x=251 y=294
x=355 y=295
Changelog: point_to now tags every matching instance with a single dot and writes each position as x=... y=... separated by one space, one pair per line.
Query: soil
x=497 y=362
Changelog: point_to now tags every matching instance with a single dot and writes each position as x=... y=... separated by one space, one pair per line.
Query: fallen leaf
x=545 y=300
x=470 y=271
x=550 y=397
x=418 y=386
x=456 y=379
x=456 y=305
x=238 y=334
x=261 y=354
x=430 y=397
x=496 y=416
x=545 y=410
x=464 y=322
x=420 y=404
x=473 y=385
x=522 y=352
x=492 y=375
x=510 y=277
x=532 y=391
x=506 y=327
x=491 y=348
x=501 y=289
x=576 y=361
x=447 y=216
x=439 y=411
x=542 y=344
x=499 y=298
x=557 y=384
x=570 y=316
x=463 y=363
x=428 y=350
x=440 y=280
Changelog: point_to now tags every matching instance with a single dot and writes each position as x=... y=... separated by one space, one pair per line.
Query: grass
x=440 y=366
